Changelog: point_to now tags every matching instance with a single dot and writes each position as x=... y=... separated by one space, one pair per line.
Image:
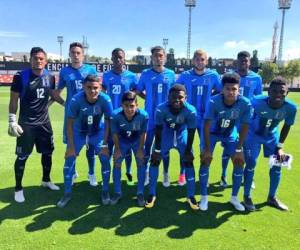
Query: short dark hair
x=36 y=50
x=76 y=44
x=91 y=78
x=129 y=96
x=156 y=48
x=232 y=78
x=116 y=50
x=243 y=53
x=279 y=80
x=177 y=87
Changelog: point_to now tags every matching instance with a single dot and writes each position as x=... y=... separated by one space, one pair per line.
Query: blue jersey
x=265 y=120
x=129 y=131
x=251 y=85
x=179 y=123
x=200 y=87
x=156 y=85
x=225 y=119
x=116 y=84
x=87 y=115
x=72 y=79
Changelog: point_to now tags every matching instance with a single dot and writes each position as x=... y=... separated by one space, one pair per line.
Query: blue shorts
x=253 y=144
x=169 y=141
x=89 y=140
x=126 y=146
x=228 y=143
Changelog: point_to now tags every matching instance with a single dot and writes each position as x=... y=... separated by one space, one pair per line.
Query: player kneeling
x=269 y=111
x=175 y=125
x=83 y=124
x=128 y=128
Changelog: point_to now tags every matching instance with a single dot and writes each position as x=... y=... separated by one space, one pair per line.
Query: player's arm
x=156 y=154
x=206 y=155
x=117 y=149
x=14 y=129
x=140 y=88
x=57 y=91
x=56 y=96
x=70 y=135
x=188 y=155
x=238 y=158
x=283 y=135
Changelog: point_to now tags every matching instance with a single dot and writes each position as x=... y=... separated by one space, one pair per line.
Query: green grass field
x=86 y=224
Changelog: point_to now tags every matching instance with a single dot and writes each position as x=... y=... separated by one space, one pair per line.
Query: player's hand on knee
x=206 y=157
x=104 y=151
x=238 y=159
x=117 y=155
x=155 y=158
x=188 y=158
x=140 y=155
x=70 y=152
x=14 y=129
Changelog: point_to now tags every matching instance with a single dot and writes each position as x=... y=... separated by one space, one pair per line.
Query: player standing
x=269 y=111
x=72 y=78
x=154 y=85
x=116 y=82
x=33 y=87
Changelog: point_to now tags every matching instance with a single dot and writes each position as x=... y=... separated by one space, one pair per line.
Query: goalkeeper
x=32 y=88
x=269 y=111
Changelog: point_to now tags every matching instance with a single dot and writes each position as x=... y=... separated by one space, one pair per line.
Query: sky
x=220 y=27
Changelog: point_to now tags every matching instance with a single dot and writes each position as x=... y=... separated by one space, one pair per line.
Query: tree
x=292 y=70
x=254 y=62
x=268 y=71
x=139 y=50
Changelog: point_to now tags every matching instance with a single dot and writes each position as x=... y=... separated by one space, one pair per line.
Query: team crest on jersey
x=279 y=115
x=180 y=119
x=97 y=109
x=234 y=114
x=46 y=81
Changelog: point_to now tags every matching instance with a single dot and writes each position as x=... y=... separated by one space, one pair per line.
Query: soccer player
x=83 y=122
x=33 y=87
x=72 y=77
x=200 y=84
x=128 y=128
x=250 y=86
x=225 y=112
x=175 y=126
x=154 y=85
x=269 y=111
x=116 y=82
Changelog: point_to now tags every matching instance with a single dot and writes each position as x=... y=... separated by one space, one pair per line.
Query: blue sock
x=166 y=162
x=248 y=178
x=128 y=160
x=117 y=180
x=105 y=171
x=275 y=173
x=153 y=174
x=90 y=155
x=69 y=170
x=190 y=181
x=141 y=179
x=182 y=169
x=225 y=161
x=237 y=177
x=203 y=177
